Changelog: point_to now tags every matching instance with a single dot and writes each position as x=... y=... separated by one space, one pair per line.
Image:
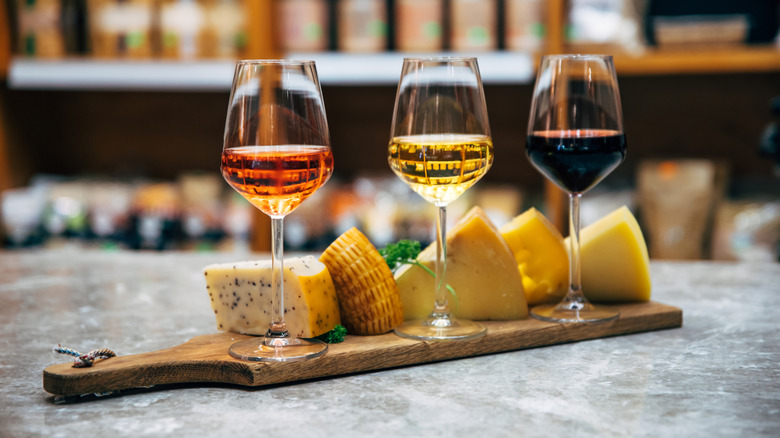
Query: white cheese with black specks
x=241 y=295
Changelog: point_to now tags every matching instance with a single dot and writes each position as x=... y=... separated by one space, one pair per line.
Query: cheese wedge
x=614 y=259
x=480 y=268
x=241 y=295
x=540 y=254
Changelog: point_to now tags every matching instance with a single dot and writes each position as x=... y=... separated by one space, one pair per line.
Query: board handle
x=201 y=359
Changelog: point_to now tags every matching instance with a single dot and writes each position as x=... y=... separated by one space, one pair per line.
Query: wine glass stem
x=575 y=269
x=441 y=307
x=278 y=327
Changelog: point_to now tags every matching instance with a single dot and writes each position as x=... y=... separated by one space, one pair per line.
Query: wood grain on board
x=205 y=358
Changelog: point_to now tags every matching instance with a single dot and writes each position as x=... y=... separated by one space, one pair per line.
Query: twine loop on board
x=84 y=360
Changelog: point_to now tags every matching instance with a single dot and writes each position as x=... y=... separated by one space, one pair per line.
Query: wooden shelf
x=742 y=59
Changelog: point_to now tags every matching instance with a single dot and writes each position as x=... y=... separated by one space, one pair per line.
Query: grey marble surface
x=718 y=375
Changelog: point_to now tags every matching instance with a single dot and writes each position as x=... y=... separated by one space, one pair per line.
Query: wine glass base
x=277 y=349
x=440 y=329
x=574 y=312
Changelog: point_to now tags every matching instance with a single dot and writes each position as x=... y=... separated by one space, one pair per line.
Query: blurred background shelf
x=160 y=114
x=341 y=69
x=205 y=75
x=91 y=74
x=740 y=59
x=385 y=68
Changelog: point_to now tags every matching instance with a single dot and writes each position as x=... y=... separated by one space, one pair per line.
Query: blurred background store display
x=190 y=29
x=199 y=212
x=696 y=77
x=682 y=206
x=138 y=29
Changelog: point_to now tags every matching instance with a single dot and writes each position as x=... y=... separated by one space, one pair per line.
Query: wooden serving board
x=205 y=358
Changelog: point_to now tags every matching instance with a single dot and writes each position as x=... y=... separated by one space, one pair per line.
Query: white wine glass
x=440 y=145
x=575 y=139
x=276 y=153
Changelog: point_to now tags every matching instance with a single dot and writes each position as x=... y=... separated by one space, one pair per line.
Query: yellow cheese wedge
x=241 y=294
x=480 y=268
x=615 y=263
x=540 y=254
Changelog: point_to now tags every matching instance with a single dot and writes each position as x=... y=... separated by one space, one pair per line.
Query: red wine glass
x=575 y=139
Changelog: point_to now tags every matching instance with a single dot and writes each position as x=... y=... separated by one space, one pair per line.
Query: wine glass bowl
x=276 y=153
x=440 y=168
x=440 y=145
x=575 y=139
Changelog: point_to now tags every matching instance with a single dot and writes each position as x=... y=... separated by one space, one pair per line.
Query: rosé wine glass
x=276 y=153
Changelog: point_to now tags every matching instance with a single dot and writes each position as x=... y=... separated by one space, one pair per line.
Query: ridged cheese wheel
x=480 y=268
x=241 y=295
x=368 y=296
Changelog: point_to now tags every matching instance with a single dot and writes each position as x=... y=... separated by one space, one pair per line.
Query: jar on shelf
x=40 y=28
x=524 y=25
x=473 y=25
x=225 y=29
x=181 y=26
x=419 y=25
x=121 y=28
x=303 y=25
x=361 y=25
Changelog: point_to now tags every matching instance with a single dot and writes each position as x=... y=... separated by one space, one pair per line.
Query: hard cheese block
x=480 y=268
x=241 y=295
x=614 y=259
x=540 y=254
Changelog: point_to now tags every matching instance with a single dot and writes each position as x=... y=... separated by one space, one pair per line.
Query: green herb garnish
x=334 y=336
x=405 y=252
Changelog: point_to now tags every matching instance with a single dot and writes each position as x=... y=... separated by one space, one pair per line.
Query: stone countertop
x=718 y=375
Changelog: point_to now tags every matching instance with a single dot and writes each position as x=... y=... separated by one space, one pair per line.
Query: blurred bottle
x=121 y=28
x=108 y=205
x=769 y=145
x=155 y=213
x=419 y=25
x=303 y=25
x=21 y=216
x=524 y=25
x=65 y=215
x=473 y=25
x=201 y=209
x=362 y=25
x=236 y=223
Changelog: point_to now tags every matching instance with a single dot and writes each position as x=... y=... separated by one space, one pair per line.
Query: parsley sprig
x=405 y=252
x=334 y=336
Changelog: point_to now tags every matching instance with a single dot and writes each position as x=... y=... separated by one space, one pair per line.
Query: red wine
x=576 y=160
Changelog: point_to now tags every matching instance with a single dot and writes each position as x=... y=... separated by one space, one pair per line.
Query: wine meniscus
x=276 y=179
x=440 y=167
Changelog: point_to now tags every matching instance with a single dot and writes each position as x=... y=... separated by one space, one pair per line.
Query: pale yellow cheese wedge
x=615 y=263
x=241 y=293
x=540 y=254
x=480 y=268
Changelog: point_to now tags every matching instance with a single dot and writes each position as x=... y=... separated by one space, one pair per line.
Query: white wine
x=440 y=167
